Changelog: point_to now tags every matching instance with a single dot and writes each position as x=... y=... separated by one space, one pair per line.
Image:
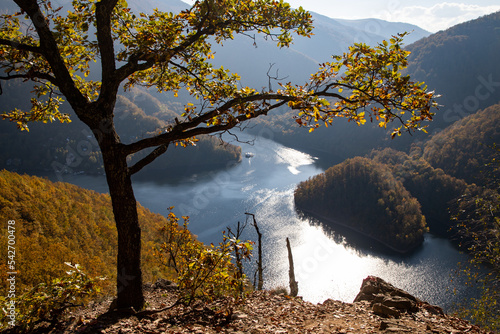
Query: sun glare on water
x=293 y=159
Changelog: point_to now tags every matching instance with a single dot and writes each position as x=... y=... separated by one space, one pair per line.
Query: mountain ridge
x=460 y=64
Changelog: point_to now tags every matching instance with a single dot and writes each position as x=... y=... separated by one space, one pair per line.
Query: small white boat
x=249 y=155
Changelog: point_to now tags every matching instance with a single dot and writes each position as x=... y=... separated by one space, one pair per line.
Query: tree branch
x=148 y=159
x=191 y=128
x=31 y=75
x=20 y=46
x=185 y=130
x=50 y=51
x=110 y=83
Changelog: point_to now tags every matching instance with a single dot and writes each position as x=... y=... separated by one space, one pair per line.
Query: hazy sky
x=431 y=15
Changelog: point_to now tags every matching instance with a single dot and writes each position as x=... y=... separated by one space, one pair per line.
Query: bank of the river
x=332 y=223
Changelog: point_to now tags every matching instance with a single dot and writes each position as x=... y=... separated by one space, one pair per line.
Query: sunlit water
x=325 y=265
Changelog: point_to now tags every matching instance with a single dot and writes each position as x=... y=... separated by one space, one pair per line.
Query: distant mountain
x=461 y=64
x=331 y=37
x=385 y=29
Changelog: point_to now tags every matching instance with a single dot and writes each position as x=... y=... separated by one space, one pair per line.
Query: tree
x=171 y=52
x=477 y=213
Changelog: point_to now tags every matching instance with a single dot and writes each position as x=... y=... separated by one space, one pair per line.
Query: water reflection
x=362 y=244
x=331 y=268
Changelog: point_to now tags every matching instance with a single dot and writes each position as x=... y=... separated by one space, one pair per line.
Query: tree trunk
x=294 y=287
x=260 y=283
x=129 y=274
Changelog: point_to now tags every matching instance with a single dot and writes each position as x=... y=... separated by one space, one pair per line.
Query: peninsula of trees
x=365 y=196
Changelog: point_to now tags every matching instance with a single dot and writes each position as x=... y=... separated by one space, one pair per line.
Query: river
x=326 y=266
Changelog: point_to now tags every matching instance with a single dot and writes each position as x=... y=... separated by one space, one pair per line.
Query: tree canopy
x=54 y=48
x=172 y=51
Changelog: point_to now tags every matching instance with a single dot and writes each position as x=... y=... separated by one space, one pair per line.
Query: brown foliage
x=59 y=222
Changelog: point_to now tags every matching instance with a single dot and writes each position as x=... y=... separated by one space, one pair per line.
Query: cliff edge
x=378 y=308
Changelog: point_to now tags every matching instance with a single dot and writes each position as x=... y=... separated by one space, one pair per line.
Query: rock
x=386 y=298
x=388 y=326
x=372 y=287
x=432 y=309
x=385 y=311
x=400 y=303
x=165 y=284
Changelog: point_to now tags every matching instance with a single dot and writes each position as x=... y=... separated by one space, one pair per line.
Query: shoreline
x=328 y=221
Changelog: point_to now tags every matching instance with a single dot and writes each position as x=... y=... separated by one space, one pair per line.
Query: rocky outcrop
x=388 y=301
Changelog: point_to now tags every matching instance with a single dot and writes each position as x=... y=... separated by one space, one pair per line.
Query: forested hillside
x=461 y=63
x=365 y=196
x=60 y=222
x=465 y=148
x=434 y=189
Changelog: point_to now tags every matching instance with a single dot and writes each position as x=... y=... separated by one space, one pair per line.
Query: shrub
x=49 y=302
x=204 y=272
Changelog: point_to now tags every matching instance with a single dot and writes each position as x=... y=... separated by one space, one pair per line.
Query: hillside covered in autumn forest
x=59 y=222
x=363 y=194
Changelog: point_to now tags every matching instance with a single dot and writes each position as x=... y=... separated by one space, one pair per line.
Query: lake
x=326 y=265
